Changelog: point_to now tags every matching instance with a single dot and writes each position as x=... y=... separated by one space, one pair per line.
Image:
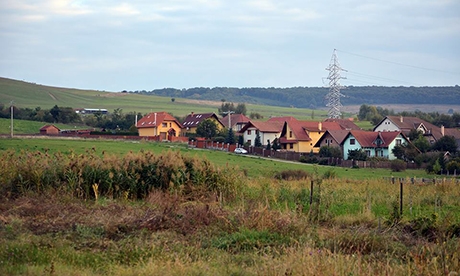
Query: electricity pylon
x=333 y=97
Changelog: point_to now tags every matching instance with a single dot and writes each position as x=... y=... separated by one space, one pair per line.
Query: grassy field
x=255 y=166
x=32 y=95
x=95 y=207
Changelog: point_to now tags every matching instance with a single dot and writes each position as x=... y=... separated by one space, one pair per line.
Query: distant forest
x=313 y=97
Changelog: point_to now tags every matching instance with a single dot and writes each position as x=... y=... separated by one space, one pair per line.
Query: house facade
x=405 y=124
x=375 y=144
x=192 y=121
x=159 y=124
x=267 y=132
x=302 y=136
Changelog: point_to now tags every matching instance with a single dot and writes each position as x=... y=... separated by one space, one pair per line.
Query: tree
x=55 y=113
x=327 y=151
x=446 y=143
x=357 y=155
x=241 y=109
x=240 y=140
x=268 y=145
x=207 y=129
x=257 y=142
x=422 y=144
x=276 y=144
x=230 y=138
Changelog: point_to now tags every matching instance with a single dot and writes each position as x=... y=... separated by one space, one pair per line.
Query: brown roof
x=154 y=119
x=344 y=123
x=338 y=135
x=45 y=127
x=192 y=120
x=367 y=138
x=275 y=126
x=452 y=132
x=234 y=119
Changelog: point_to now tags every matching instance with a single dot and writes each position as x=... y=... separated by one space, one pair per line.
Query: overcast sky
x=149 y=44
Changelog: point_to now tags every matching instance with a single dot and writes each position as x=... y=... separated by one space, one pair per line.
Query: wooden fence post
x=401 y=197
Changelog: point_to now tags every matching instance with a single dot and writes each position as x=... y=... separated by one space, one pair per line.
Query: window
x=290 y=134
x=398 y=142
x=164 y=124
x=249 y=142
x=291 y=145
x=352 y=141
x=249 y=132
x=368 y=152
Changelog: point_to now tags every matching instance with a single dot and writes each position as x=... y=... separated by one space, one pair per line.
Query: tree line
x=313 y=97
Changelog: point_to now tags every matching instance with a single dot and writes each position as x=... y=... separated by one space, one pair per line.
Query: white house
x=267 y=131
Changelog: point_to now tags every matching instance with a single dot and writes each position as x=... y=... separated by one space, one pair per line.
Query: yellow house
x=193 y=120
x=159 y=124
x=301 y=136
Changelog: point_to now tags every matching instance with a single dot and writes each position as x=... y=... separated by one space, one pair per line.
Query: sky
x=151 y=44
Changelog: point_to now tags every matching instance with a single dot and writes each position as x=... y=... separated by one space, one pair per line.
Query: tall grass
x=132 y=176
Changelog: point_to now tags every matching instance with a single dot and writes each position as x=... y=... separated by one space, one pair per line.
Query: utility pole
x=229 y=118
x=11 y=108
x=333 y=97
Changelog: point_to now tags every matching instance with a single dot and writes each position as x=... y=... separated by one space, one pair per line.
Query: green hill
x=32 y=95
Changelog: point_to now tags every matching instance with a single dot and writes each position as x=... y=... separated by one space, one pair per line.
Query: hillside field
x=32 y=95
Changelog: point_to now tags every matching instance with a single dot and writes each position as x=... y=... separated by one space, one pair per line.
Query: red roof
x=368 y=139
x=154 y=119
x=234 y=119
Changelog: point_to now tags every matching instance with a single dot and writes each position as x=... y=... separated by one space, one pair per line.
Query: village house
x=302 y=136
x=405 y=124
x=49 y=130
x=235 y=121
x=267 y=132
x=332 y=138
x=159 y=124
x=374 y=144
x=193 y=120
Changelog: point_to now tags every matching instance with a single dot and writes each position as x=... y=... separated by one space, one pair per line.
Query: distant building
x=160 y=124
x=85 y=111
x=49 y=130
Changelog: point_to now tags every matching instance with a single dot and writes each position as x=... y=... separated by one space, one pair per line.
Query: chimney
x=442 y=130
x=135 y=122
x=320 y=126
x=401 y=119
x=192 y=113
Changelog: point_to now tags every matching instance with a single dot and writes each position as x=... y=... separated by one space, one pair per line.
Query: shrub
x=398 y=165
x=292 y=175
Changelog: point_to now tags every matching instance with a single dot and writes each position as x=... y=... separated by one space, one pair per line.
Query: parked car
x=240 y=150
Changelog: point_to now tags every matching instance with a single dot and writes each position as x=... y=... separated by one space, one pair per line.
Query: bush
x=398 y=165
x=292 y=175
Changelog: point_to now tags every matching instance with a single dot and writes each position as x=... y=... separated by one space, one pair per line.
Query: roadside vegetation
x=162 y=209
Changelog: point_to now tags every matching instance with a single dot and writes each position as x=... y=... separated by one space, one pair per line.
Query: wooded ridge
x=313 y=97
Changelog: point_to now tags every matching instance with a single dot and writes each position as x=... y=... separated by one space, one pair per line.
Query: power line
x=400 y=64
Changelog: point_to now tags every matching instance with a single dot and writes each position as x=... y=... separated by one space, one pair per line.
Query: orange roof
x=154 y=119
